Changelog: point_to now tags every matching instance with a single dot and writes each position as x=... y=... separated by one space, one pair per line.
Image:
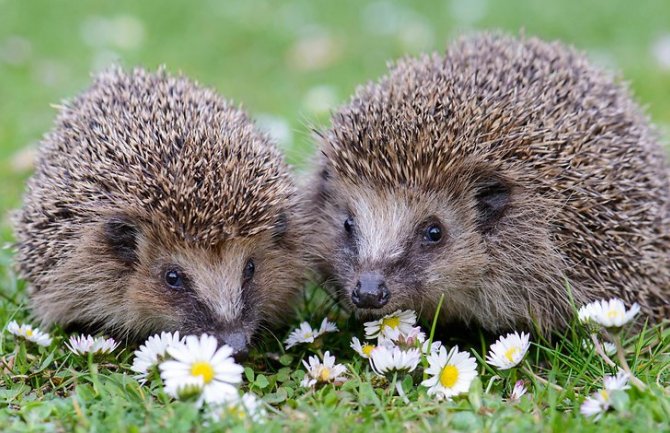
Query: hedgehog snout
x=237 y=340
x=370 y=291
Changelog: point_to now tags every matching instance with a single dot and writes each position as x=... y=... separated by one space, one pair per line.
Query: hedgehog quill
x=156 y=206
x=495 y=175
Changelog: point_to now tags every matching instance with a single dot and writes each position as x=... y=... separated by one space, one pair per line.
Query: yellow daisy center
x=604 y=394
x=613 y=314
x=237 y=412
x=29 y=332
x=391 y=322
x=203 y=369
x=449 y=376
x=367 y=349
x=511 y=353
x=324 y=374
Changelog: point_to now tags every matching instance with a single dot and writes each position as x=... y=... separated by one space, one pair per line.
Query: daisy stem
x=393 y=382
x=490 y=384
x=401 y=392
x=543 y=381
x=600 y=351
x=621 y=355
x=424 y=359
x=21 y=357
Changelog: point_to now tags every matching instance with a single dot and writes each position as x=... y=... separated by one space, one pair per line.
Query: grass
x=49 y=389
x=289 y=62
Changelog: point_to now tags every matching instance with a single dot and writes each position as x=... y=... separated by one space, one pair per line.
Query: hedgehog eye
x=249 y=270
x=433 y=233
x=174 y=279
x=349 y=225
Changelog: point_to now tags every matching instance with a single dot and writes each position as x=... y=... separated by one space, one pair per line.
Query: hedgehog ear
x=322 y=188
x=493 y=197
x=280 y=226
x=121 y=236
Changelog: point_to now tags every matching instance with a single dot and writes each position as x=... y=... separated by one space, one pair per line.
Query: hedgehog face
x=225 y=291
x=389 y=249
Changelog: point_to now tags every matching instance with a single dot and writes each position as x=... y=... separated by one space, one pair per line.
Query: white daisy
x=384 y=360
x=390 y=325
x=618 y=382
x=362 y=349
x=609 y=348
x=508 y=351
x=304 y=334
x=452 y=373
x=28 y=333
x=394 y=337
x=327 y=326
x=323 y=372
x=596 y=404
x=83 y=344
x=599 y=402
x=152 y=352
x=610 y=314
x=432 y=348
x=414 y=338
x=246 y=407
x=518 y=390
x=199 y=368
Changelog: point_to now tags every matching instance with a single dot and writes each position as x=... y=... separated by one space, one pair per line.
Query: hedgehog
x=508 y=177
x=156 y=205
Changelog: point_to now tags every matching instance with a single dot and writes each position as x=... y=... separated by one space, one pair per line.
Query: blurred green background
x=288 y=62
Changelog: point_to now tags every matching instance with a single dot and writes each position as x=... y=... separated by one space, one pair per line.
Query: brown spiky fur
x=145 y=172
x=522 y=127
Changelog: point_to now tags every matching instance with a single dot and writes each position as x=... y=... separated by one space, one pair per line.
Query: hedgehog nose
x=370 y=291
x=237 y=340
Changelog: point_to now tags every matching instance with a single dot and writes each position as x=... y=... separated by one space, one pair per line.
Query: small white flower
x=246 y=407
x=152 y=352
x=327 y=326
x=508 y=351
x=518 y=390
x=362 y=349
x=609 y=348
x=610 y=314
x=452 y=373
x=390 y=325
x=596 y=404
x=83 y=344
x=306 y=334
x=415 y=338
x=618 y=382
x=323 y=372
x=432 y=348
x=384 y=360
x=28 y=333
x=198 y=368
x=599 y=402
x=394 y=337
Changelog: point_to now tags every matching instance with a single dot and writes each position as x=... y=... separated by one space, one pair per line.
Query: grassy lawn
x=289 y=63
